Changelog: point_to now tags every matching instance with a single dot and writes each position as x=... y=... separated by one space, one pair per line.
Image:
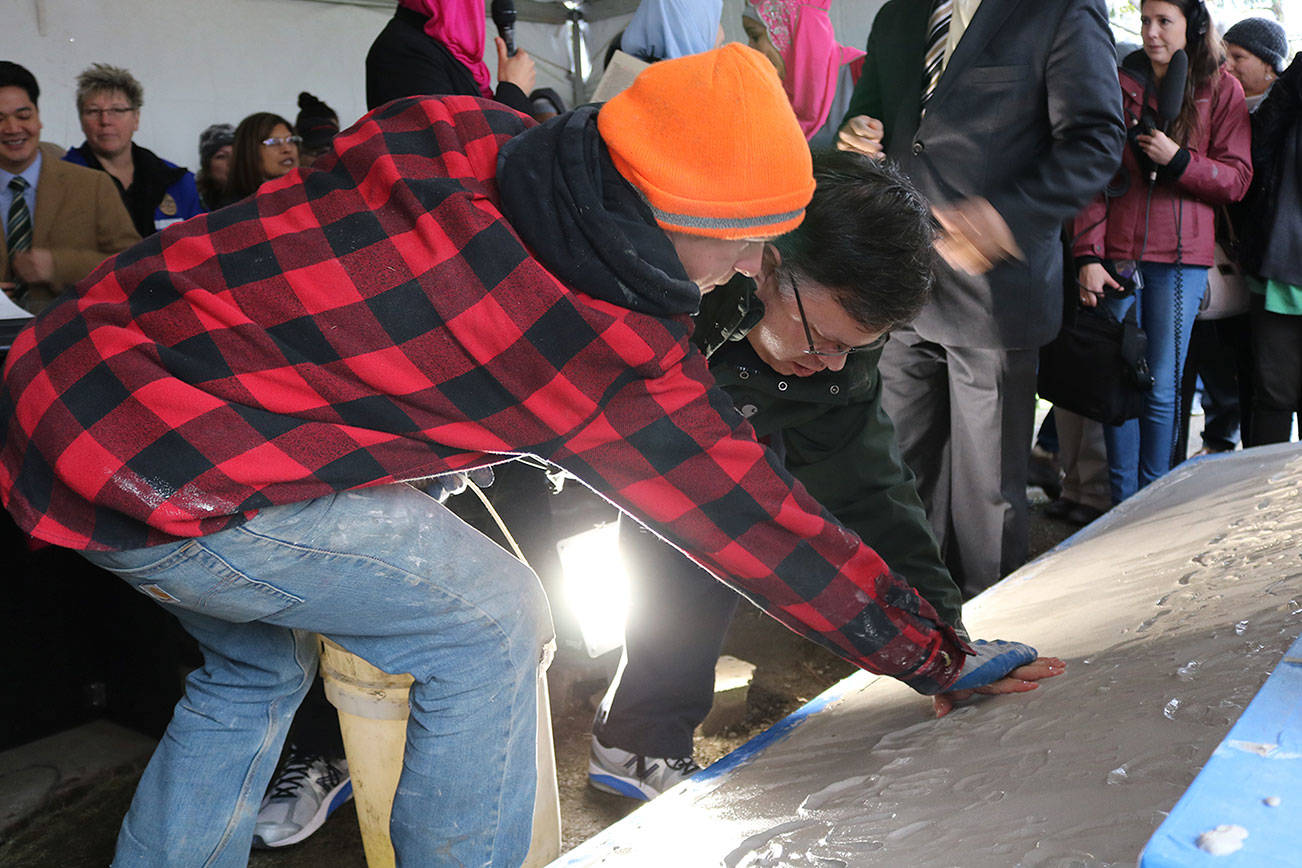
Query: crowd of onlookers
x=1178 y=230
x=123 y=191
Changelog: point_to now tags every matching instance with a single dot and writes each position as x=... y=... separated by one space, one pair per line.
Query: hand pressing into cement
x=998 y=667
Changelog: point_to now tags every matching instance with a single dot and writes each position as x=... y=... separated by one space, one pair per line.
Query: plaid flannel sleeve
x=670 y=449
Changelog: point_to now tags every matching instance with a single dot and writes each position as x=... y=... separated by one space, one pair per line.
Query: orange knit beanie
x=711 y=142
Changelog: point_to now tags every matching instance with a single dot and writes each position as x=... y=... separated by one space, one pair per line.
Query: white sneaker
x=634 y=776
x=306 y=789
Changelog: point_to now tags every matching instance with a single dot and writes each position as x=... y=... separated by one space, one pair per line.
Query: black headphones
x=1197 y=21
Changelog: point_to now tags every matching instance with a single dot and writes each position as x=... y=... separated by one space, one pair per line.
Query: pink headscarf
x=459 y=26
x=801 y=31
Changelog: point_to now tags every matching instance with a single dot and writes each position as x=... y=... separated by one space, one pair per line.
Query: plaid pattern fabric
x=377 y=321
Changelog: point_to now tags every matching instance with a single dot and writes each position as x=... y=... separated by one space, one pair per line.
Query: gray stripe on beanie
x=695 y=221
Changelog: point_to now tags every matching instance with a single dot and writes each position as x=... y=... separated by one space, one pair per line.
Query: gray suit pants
x=965 y=418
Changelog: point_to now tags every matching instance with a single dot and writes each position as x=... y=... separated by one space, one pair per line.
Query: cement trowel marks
x=1170 y=612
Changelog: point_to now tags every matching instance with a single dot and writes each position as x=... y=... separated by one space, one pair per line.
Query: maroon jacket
x=378 y=320
x=1213 y=169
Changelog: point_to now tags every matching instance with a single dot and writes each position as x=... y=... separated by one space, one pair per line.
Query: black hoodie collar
x=1137 y=64
x=590 y=227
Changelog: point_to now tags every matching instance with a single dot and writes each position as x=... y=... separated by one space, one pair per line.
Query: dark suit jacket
x=79 y=218
x=1026 y=114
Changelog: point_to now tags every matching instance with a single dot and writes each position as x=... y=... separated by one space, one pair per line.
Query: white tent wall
x=200 y=62
x=205 y=62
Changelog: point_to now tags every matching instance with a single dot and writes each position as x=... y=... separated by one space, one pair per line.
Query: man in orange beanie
x=227 y=414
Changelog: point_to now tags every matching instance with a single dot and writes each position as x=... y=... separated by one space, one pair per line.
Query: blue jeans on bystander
x=394 y=577
x=1140 y=450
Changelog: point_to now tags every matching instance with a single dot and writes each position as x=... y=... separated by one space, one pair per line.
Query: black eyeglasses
x=809 y=335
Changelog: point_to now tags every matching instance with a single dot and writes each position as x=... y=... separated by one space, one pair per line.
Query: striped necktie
x=934 y=58
x=18 y=229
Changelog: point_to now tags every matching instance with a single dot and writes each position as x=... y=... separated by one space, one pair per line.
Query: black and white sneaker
x=634 y=776
x=306 y=789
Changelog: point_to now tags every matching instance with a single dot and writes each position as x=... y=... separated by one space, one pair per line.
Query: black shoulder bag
x=1096 y=367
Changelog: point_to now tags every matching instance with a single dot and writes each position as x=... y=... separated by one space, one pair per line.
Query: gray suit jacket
x=1028 y=115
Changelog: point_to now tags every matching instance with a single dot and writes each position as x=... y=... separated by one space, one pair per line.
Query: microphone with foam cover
x=1170 y=97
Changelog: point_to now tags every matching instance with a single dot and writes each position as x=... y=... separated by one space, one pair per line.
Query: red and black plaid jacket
x=378 y=321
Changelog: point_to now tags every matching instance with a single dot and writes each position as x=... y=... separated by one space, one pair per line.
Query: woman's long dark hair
x=246 y=153
x=1206 y=55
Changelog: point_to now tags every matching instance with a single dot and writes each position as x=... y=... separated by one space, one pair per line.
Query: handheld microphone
x=1170 y=97
x=504 y=18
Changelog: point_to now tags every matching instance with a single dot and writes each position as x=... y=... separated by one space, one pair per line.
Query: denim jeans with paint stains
x=394 y=577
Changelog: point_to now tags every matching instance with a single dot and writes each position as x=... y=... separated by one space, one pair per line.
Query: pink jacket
x=1217 y=170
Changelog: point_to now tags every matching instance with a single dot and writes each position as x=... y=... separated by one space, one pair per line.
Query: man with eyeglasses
x=157 y=193
x=60 y=220
x=797 y=352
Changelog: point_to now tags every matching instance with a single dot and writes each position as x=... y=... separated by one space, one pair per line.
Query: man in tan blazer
x=60 y=220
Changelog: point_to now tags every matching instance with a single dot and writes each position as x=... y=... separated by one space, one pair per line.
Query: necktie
x=934 y=59
x=18 y=231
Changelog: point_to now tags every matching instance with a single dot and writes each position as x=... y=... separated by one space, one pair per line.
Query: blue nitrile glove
x=993 y=660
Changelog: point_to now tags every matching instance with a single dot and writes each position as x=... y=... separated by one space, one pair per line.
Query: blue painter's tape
x=780 y=730
x=590 y=852
x=1253 y=780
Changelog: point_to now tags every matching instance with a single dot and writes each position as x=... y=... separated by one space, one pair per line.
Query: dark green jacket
x=834 y=437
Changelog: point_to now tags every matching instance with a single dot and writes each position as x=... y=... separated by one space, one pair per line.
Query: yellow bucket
x=373 y=708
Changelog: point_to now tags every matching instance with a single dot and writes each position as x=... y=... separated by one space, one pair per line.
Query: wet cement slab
x=1171 y=612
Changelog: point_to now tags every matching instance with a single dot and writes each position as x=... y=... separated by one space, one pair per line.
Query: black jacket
x=405 y=61
x=833 y=436
x=153 y=180
x=1269 y=220
x=1027 y=114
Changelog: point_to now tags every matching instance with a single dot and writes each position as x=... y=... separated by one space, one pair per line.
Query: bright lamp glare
x=596 y=586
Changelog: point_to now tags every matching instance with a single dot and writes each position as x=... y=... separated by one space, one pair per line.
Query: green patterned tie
x=18 y=231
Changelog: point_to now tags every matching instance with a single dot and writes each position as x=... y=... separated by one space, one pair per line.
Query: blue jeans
x=1141 y=450
x=394 y=577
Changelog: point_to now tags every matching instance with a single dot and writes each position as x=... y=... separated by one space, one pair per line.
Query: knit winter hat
x=213 y=140
x=711 y=142
x=1263 y=37
x=317 y=123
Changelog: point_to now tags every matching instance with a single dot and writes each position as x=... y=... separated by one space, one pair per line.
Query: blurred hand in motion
x=518 y=69
x=34 y=266
x=863 y=134
x=1020 y=680
x=973 y=237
